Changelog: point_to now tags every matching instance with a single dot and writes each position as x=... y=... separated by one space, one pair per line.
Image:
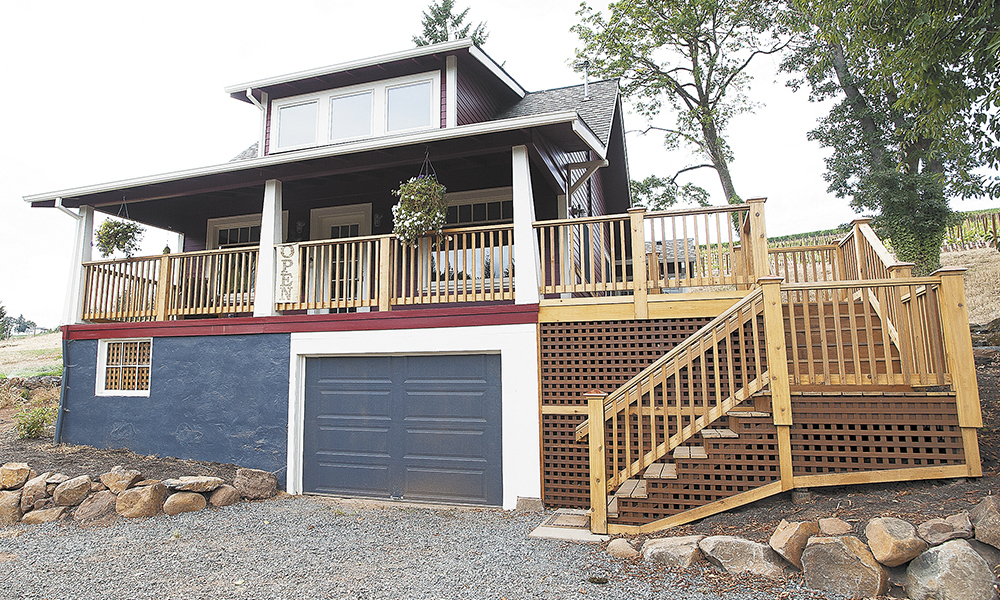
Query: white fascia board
x=355 y=64
x=497 y=70
x=421 y=137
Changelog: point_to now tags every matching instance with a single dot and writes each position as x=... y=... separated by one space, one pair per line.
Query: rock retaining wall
x=31 y=498
x=952 y=558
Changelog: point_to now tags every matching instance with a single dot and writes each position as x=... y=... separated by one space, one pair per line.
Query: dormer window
x=358 y=112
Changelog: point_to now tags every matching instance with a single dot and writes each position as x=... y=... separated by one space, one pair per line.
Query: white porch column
x=82 y=252
x=270 y=234
x=526 y=259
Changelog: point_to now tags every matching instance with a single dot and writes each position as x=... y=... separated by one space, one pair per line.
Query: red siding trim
x=474 y=103
x=506 y=314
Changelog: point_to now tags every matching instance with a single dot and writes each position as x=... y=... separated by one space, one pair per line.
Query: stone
x=193 y=483
x=13 y=475
x=951 y=571
x=224 y=495
x=97 y=486
x=682 y=551
x=46 y=515
x=145 y=482
x=802 y=496
x=893 y=541
x=789 y=539
x=97 y=507
x=985 y=518
x=183 y=502
x=33 y=491
x=254 y=484
x=527 y=504
x=72 y=491
x=57 y=478
x=143 y=501
x=43 y=503
x=119 y=479
x=737 y=555
x=939 y=531
x=833 y=526
x=10 y=507
x=621 y=548
x=990 y=554
x=843 y=564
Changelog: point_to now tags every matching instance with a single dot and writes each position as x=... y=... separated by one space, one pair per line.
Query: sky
x=101 y=91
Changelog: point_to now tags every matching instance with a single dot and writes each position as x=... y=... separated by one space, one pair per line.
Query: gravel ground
x=309 y=547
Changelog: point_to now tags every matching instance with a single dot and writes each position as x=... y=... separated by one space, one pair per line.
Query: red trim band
x=422 y=318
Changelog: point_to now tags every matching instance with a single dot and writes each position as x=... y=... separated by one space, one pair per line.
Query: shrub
x=31 y=423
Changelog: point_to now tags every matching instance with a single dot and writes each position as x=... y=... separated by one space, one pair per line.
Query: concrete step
x=690 y=452
x=718 y=433
x=661 y=471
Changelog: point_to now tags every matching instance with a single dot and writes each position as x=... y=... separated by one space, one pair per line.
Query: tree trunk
x=718 y=156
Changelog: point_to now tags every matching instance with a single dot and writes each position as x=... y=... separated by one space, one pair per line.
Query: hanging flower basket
x=422 y=208
x=118 y=235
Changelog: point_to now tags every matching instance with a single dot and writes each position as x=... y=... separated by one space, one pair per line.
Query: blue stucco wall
x=215 y=398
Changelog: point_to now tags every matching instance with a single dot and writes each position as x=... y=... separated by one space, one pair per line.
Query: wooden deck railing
x=121 y=290
x=339 y=274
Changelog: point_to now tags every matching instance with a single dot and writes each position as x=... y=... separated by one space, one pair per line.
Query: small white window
x=409 y=106
x=351 y=116
x=297 y=125
x=123 y=367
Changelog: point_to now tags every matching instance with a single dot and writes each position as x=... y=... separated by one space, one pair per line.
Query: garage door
x=412 y=427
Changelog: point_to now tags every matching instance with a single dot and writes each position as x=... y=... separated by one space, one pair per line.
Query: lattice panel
x=733 y=466
x=854 y=432
x=579 y=357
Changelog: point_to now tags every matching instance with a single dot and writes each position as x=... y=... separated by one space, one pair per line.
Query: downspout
x=262 y=106
x=59 y=205
x=62 y=393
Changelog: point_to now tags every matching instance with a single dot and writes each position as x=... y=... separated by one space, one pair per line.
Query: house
x=556 y=343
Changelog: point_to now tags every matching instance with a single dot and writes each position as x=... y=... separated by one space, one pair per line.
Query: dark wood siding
x=475 y=101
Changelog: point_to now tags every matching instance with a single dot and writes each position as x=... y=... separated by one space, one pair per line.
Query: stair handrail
x=669 y=365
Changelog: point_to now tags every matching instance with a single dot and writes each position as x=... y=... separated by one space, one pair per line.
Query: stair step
x=613 y=507
x=718 y=433
x=748 y=414
x=661 y=471
x=690 y=452
x=632 y=488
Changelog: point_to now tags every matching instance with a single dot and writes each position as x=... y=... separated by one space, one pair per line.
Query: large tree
x=692 y=56
x=882 y=158
x=441 y=24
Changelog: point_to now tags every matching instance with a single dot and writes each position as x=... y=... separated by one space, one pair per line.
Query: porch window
x=480 y=207
x=123 y=367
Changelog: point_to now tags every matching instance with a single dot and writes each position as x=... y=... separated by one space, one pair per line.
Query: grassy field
x=31 y=356
x=982 y=281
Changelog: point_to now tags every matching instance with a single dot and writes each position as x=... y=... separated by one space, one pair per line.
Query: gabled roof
x=597 y=112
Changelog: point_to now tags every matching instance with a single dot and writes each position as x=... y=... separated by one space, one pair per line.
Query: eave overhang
x=567 y=129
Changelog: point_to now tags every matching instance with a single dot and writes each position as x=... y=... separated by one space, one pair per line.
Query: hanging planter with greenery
x=422 y=208
x=118 y=235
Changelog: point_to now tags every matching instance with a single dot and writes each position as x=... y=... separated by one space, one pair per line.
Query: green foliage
x=31 y=423
x=118 y=235
x=5 y=323
x=421 y=209
x=690 y=55
x=441 y=25
x=660 y=193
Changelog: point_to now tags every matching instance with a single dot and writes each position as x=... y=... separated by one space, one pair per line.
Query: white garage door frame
x=517 y=346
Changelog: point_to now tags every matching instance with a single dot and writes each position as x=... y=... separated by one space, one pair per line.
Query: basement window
x=123 y=367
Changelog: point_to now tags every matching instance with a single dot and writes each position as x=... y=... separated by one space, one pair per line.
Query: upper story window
x=368 y=110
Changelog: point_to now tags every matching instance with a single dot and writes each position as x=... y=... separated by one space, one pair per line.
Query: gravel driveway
x=310 y=547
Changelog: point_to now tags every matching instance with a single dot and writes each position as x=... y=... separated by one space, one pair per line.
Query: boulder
x=939 y=531
x=621 y=548
x=33 y=491
x=57 y=478
x=789 y=539
x=254 y=484
x=844 y=565
x=951 y=571
x=45 y=515
x=72 y=492
x=182 y=502
x=737 y=555
x=10 y=507
x=834 y=526
x=13 y=475
x=680 y=551
x=143 y=501
x=224 y=495
x=893 y=541
x=193 y=484
x=96 y=507
x=118 y=479
x=146 y=482
x=990 y=554
x=97 y=486
x=985 y=518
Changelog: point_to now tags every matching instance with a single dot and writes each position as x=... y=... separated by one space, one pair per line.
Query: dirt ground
x=982 y=281
x=27 y=356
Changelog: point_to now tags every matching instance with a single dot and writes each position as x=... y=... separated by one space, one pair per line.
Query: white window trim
x=502 y=194
x=380 y=109
x=321 y=219
x=102 y=365
x=345 y=93
x=214 y=225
